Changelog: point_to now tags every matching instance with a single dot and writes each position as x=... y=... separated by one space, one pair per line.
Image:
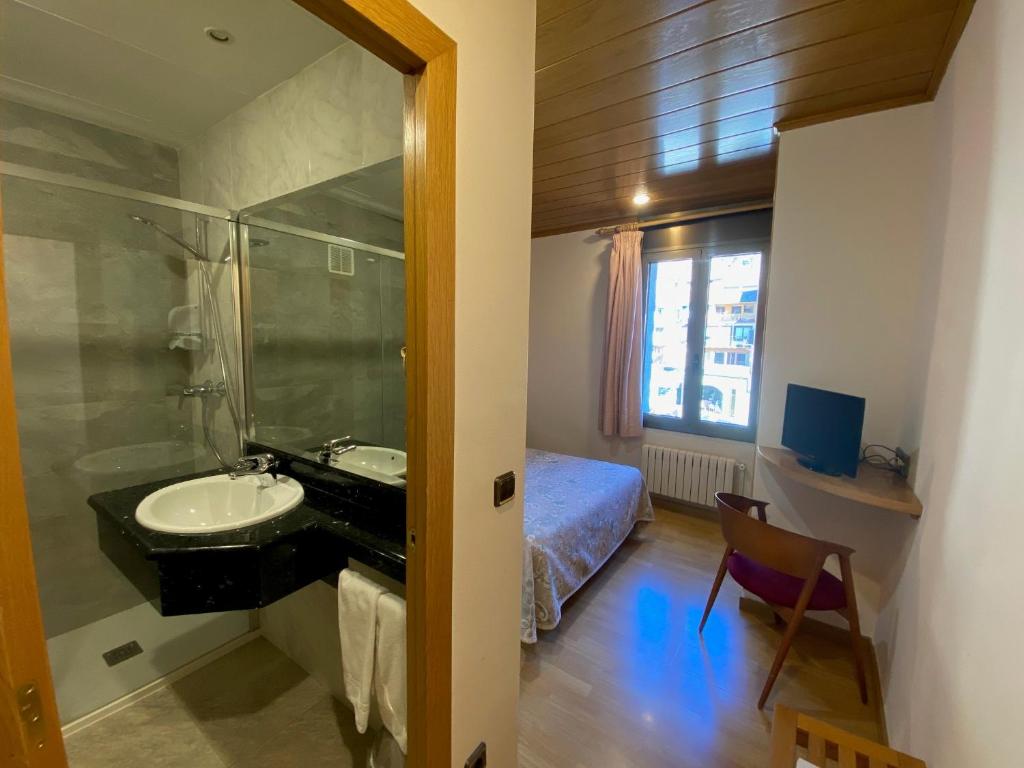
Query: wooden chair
x=794 y=735
x=786 y=570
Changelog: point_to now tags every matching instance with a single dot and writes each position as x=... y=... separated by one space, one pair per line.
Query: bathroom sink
x=165 y=456
x=218 y=503
x=385 y=465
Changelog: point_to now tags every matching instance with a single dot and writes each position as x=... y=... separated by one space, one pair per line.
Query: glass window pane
x=729 y=338
x=668 y=318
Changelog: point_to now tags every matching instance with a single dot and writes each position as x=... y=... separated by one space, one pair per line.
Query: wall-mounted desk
x=872 y=486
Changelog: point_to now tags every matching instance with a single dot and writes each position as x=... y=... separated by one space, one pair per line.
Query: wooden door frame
x=399 y=34
x=23 y=658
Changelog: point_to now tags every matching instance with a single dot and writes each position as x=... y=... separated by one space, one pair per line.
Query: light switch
x=504 y=488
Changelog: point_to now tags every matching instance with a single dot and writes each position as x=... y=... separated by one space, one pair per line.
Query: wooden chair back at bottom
x=794 y=735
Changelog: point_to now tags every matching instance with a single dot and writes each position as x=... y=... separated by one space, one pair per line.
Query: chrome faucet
x=205 y=389
x=336 y=447
x=257 y=464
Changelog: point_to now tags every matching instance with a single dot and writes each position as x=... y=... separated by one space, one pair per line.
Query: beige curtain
x=623 y=356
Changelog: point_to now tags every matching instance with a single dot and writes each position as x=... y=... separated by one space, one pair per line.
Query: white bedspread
x=577 y=513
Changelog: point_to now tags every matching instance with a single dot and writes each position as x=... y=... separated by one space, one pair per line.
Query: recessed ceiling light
x=641 y=198
x=218 y=35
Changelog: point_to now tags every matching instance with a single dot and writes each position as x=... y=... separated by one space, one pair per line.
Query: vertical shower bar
x=239 y=257
x=243 y=303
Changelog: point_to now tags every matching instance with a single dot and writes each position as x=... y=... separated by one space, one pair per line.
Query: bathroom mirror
x=324 y=321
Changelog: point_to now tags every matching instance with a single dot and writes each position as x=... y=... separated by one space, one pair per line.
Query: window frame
x=693 y=375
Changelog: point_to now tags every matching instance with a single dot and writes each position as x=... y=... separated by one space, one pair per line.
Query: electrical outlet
x=904 y=458
x=479 y=757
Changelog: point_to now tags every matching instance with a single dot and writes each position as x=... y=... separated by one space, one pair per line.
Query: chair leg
x=787 y=637
x=853 y=618
x=719 y=578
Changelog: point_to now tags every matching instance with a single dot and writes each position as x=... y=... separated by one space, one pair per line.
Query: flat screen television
x=824 y=429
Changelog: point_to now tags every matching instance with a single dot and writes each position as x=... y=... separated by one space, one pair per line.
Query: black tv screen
x=824 y=429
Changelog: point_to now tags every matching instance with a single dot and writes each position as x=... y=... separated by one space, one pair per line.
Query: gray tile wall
x=52 y=142
x=341 y=113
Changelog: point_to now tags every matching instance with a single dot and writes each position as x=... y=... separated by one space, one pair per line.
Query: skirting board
x=683 y=507
x=157 y=685
x=839 y=635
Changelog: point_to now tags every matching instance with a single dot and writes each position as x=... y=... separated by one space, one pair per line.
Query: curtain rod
x=700 y=213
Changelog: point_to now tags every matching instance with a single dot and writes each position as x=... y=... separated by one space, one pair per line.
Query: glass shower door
x=110 y=323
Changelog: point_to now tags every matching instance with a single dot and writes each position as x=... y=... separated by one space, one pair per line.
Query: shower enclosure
x=128 y=312
x=125 y=348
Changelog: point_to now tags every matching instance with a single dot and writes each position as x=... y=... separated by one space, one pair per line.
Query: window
x=743 y=334
x=702 y=340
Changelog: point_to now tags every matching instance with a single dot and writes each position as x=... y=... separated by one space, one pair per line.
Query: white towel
x=389 y=673
x=386 y=752
x=357 y=623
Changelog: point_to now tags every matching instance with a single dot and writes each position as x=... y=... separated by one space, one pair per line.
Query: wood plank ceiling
x=679 y=98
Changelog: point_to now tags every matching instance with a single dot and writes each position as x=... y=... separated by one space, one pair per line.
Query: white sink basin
x=218 y=503
x=166 y=456
x=385 y=465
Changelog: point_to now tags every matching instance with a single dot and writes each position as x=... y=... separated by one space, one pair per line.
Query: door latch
x=30 y=707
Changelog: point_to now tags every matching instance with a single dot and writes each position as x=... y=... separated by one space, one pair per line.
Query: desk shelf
x=873 y=486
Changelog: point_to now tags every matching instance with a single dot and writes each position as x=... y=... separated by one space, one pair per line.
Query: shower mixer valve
x=204 y=390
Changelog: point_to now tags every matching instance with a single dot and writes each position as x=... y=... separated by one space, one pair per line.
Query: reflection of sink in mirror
x=166 y=459
x=218 y=503
x=280 y=435
x=385 y=465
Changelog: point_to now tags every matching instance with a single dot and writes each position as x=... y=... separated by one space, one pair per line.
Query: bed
x=577 y=513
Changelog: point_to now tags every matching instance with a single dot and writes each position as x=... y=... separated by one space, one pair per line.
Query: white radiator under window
x=688 y=476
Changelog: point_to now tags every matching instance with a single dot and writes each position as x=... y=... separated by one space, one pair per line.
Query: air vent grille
x=341 y=260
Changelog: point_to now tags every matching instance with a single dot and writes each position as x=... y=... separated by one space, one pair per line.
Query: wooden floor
x=625 y=680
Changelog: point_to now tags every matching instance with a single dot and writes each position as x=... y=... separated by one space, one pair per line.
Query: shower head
x=174 y=238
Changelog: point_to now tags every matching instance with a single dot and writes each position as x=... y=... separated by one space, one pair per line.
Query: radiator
x=688 y=476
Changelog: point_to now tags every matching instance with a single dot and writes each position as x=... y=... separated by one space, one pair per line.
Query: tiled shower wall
x=341 y=113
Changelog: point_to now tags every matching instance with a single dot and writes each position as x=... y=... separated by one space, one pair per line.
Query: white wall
x=845 y=311
x=492 y=275
x=949 y=638
x=909 y=220
x=568 y=302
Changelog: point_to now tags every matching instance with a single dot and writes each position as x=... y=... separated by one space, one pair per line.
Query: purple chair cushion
x=782 y=589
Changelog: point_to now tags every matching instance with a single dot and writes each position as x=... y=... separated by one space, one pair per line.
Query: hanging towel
x=389 y=673
x=385 y=752
x=357 y=623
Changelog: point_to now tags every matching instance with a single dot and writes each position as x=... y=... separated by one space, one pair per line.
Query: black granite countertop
x=340 y=517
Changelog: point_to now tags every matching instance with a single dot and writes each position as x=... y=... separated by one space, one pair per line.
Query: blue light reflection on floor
x=672 y=673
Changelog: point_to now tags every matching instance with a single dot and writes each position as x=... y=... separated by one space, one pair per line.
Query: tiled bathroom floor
x=253 y=707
